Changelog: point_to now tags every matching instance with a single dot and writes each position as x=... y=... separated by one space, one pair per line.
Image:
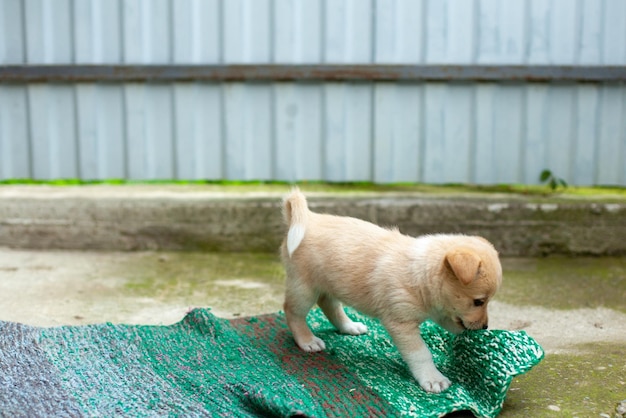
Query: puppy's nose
x=485 y=326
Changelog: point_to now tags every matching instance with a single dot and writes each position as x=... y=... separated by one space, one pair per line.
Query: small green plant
x=552 y=181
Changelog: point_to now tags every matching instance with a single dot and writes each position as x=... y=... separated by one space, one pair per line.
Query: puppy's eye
x=479 y=302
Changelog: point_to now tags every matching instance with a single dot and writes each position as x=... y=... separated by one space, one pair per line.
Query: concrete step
x=192 y=218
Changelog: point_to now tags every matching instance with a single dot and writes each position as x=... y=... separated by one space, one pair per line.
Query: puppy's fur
x=387 y=275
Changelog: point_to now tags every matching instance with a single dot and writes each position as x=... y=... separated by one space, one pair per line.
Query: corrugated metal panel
x=383 y=132
x=313 y=31
x=15 y=151
x=322 y=128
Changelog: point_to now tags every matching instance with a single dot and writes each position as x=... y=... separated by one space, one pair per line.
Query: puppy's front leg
x=415 y=353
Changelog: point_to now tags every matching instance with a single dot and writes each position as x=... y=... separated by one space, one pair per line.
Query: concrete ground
x=574 y=307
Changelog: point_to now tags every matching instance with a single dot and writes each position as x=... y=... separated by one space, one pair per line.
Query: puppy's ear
x=464 y=264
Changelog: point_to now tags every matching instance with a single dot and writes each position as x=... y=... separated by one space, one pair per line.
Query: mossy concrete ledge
x=192 y=218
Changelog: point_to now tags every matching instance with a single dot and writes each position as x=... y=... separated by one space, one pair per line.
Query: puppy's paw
x=312 y=346
x=434 y=381
x=353 y=328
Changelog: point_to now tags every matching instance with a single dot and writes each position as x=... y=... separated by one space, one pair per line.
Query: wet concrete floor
x=574 y=307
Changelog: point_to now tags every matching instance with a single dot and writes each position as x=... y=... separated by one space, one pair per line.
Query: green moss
x=231 y=283
x=565 y=283
x=352 y=187
x=183 y=274
x=582 y=385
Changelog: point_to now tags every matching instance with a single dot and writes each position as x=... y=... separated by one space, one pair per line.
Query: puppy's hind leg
x=298 y=302
x=333 y=310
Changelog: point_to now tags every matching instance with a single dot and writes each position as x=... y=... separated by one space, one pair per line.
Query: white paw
x=354 y=328
x=433 y=381
x=312 y=346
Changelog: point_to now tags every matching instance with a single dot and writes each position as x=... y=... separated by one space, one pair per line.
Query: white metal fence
x=469 y=131
x=565 y=32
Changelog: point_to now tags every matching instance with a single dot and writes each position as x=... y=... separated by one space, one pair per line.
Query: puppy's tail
x=295 y=212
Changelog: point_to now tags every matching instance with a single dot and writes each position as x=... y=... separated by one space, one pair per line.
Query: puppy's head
x=471 y=276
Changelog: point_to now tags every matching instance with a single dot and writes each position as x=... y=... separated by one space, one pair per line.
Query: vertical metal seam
x=622 y=152
x=323 y=95
x=24 y=32
x=47 y=36
x=29 y=132
x=147 y=113
x=471 y=167
x=199 y=142
x=72 y=30
x=73 y=40
x=172 y=92
x=527 y=34
x=145 y=55
x=578 y=25
x=271 y=32
x=600 y=108
x=323 y=31
x=475 y=31
x=495 y=97
x=596 y=134
x=273 y=106
x=199 y=149
x=101 y=144
x=349 y=52
x=347 y=88
x=624 y=50
x=522 y=171
x=246 y=32
x=52 y=128
x=143 y=140
x=544 y=128
x=603 y=27
x=373 y=31
x=324 y=122
x=297 y=149
x=122 y=41
x=424 y=29
x=96 y=41
x=220 y=31
x=174 y=143
x=125 y=135
x=3 y=167
x=422 y=134
x=573 y=152
x=223 y=132
x=272 y=128
x=77 y=147
x=372 y=138
x=372 y=87
x=171 y=36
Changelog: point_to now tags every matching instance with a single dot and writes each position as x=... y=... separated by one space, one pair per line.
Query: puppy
x=382 y=273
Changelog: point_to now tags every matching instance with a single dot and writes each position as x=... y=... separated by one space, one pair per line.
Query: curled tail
x=295 y=211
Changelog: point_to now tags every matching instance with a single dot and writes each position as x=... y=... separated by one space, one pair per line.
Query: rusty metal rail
x=312 y=72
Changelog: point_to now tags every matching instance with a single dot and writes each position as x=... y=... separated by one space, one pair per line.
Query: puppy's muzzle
x=472 y=326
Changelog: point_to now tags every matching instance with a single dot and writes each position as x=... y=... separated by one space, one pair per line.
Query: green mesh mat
x=206 y=366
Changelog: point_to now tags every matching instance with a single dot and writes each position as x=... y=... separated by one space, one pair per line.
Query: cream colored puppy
x=382 y=273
